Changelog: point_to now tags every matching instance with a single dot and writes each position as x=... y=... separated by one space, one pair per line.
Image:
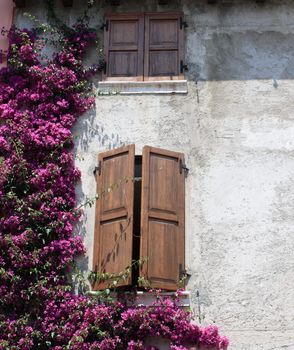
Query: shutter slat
x=114 y=214
x=162 y=218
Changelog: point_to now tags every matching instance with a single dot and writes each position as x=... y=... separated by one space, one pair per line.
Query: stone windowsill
x=147 y=298
x=143 y=87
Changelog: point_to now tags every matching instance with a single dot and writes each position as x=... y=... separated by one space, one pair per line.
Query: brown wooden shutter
x=162 y=218
x=123 y=46
x=114 y=213
x=163 y=46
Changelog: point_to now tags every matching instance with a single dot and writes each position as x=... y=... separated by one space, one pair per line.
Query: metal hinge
x=183 y=167
x=97 y=169
x=183 y=24
x=104 y=67
x=183 y=67
x=105 y=25
x=182 y=272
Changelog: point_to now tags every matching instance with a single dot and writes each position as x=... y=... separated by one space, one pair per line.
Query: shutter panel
x=114 y=213
x=163 y=46
x=162 y=218
x=6 y=14
x=123 y=46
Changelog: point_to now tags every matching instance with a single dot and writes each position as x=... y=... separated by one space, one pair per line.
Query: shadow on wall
x=246 y=55
x=88 y=132
x=230 y=40
x=90 y=138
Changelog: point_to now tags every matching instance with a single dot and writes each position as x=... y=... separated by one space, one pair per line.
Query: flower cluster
x=79 y=323
x=39 y=104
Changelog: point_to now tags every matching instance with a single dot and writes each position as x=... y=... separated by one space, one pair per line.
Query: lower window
x=140 y=217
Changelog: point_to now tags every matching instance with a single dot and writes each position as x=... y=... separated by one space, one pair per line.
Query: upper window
x=142 y=47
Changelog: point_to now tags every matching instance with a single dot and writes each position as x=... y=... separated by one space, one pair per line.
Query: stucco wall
x=236 y=128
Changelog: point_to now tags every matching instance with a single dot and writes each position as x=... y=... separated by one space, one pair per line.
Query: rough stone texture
x=236 y=128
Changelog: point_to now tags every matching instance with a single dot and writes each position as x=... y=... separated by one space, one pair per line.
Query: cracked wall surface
x=236 y=128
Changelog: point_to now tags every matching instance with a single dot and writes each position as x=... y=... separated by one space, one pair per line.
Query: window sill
x=143 y=87
x=182 y=299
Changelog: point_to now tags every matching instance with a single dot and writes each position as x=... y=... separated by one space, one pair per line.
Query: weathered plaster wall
x=236 y=128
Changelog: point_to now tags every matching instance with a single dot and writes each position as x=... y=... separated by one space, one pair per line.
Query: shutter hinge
x=183 y=24
x=97 y=169
x=104 y=67
x=183 y=167
x=105 y=25
x=182 y=272
x=183 y=67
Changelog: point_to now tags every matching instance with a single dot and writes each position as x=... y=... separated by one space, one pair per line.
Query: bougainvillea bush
x=40 y=100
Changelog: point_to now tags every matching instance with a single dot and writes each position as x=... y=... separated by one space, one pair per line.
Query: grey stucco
x=236 y=128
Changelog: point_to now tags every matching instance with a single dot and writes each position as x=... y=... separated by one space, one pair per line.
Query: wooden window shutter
x=114 y=213
x=123 y=46
x=164 y=40
x=162 y=218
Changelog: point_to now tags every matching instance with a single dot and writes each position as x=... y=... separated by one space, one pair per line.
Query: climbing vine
x=40 y=100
